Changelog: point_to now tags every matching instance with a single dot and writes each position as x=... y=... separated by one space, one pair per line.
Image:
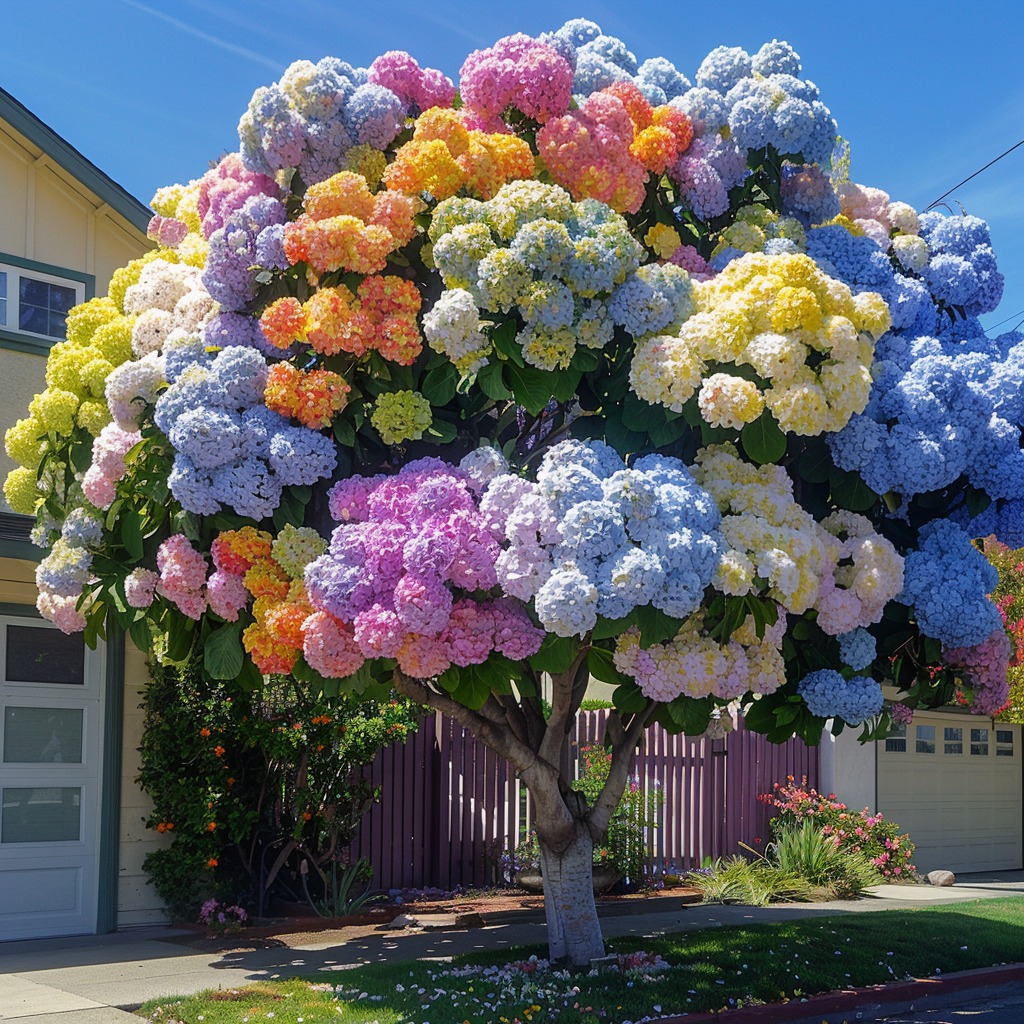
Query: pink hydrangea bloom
x=520 y=72
x=61 y=611
x=182 y=575
x=227 y=594
x=414 y=86
x=329 y=646
x=225 y=189
x=168 y=231
x=985 y=667
x=140 y=587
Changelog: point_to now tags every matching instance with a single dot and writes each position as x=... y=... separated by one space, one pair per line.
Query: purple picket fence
x=449 y=806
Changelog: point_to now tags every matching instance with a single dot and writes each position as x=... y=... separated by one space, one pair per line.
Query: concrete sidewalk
x=95 y=979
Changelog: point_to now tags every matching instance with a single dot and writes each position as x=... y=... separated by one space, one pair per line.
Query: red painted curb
x=920 y=992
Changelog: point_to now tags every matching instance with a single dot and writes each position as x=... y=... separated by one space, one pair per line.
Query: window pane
x=44 y=815
x=57 y=325
x=3 y=284
x=44 y=656
x=62 y=298
x=33 y=292
x=34 y=319
x=926 y=739
x=979 y=742
x=43 y=735
x=1004 y=736
x=896 y=741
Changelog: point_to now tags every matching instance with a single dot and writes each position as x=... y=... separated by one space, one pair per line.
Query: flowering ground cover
x=711 y=969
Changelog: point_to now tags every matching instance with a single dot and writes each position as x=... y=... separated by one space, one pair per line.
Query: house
x=72 y=838
x=951 y=779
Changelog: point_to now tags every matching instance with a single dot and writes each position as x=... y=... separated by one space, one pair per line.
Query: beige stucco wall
x=53 y=218
x=137 y=902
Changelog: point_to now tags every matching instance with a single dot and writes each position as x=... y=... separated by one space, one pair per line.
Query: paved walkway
x=95 y=979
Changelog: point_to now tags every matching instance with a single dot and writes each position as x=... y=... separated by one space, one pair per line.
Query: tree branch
x=567 y=690
x=624 y=742
x=491 y=730
x=516 y=718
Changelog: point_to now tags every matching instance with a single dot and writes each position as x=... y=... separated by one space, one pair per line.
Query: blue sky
x=151 y=90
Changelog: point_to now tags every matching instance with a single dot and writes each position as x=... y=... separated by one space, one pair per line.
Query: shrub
x=806 y=851
x=758 y=883
x=870 y=835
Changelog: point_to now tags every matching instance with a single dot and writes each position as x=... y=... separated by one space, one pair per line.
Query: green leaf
x=344 y=433
x=530 y=387
x=222 y=653
x=441 y=432
x=621 y=438
x=504 y=341
x=667 y=433
x=655 y=626
x=439 y=385
x=139 y=631
x=607 y=629
x=815 y=465
x=690 y=714
x=977 y=501
x=850 y=492
x=491 y=382
x=179 y=638
x=131 y=533
x=250 y=678
x=601 y=664
x=556 y=654
x=629 y=698
x=563 y=383
x=762 y=440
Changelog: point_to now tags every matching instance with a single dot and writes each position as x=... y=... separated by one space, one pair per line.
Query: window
x=925 y=739
x=1004 y=743
x=37 y=655
x=36 y=303
x=979 y=742
x=954 y=740
x=896 y=741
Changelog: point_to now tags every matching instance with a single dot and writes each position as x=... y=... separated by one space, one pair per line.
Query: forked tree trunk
x=574 y=932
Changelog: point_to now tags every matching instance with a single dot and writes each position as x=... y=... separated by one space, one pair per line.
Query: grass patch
x=709 y=969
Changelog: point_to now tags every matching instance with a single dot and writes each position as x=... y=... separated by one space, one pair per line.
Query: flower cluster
x=380 y=317
x=985 y=669
x=182 y=576
x=344 y=226
x=401 y=416
x=517 y=72
x=592 y=537
x=108 y=464
x=418 y=88
x=407 y=573
x=829 y=694
x=840 y=567
x=534 y=251
x=606 y=149
x=694 y=665
x=309 y=119
x=803 y=333
x=947 y=583
x=231 y=450
x=445 y=156
x=311 y=397
x=863 y=833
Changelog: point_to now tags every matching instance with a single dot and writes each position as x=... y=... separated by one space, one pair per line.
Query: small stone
x=469 y=920
x=401 y=921
x=940 y=878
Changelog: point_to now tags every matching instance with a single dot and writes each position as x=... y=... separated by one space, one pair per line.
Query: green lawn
x=708 y=969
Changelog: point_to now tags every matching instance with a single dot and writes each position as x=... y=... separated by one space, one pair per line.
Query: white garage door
x=50 y=725
x=953 y=782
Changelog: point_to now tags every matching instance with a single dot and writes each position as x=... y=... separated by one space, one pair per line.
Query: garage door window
x=979 y=742
x=953 y=740
x=896 y=741
x=925 y=739
x=1004 y=743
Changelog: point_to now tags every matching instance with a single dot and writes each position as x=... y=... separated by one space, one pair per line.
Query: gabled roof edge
x=19 y=117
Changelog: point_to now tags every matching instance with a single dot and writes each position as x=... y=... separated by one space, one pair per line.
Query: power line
x=974 y=175
x=1012 y=316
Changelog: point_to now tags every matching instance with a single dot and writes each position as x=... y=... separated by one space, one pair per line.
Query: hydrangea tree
x=579 y=370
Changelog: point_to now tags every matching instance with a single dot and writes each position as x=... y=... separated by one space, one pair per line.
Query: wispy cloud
x=213 y=40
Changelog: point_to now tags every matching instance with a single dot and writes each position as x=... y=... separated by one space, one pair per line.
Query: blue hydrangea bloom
x=828 y=695
x=857 y=648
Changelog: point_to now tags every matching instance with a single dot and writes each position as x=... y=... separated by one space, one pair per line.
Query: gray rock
x=941 y=878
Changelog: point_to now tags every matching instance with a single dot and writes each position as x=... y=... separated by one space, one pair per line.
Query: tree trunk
x=574 y=932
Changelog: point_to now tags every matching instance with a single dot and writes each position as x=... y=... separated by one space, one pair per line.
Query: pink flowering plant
x=221 y=919
x=868 y=835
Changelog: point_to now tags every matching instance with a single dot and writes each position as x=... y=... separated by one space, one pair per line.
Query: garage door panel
x=954 y=784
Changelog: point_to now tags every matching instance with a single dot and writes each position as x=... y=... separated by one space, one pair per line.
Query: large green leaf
x=491 y=382
x=556 y=654
x=530 y=386
x=601 y=664
x=850 y=492
x=763 y=440
x=222 y=653
x=691 y=715
x=655 y=626
x=439 y=384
